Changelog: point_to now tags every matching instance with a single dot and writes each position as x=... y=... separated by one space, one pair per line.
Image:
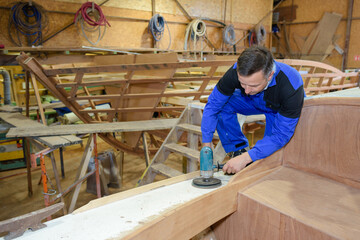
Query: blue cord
x=157 y=26
x=29 y=20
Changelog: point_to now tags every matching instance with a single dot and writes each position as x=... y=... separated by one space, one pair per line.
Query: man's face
x=254 y=83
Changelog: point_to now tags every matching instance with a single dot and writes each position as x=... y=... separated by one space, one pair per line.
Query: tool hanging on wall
x=156 y=28
x=91 y=19
x=29 y=20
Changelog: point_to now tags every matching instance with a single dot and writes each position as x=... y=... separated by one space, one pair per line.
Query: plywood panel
x=320 y=136
x=125 y=33
x=309 y=11
x=320 y=203
x=254 y=220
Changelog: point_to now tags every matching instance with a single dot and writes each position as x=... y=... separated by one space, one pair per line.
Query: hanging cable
x=91 y=19
x=157 y=26
x=229 y=35
x=260 y=34
x=29 y=20
x=195 y=29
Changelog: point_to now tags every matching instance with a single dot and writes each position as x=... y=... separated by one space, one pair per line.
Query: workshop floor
x=14 y=199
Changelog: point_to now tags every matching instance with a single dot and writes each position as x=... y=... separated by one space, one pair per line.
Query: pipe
x=7 y=86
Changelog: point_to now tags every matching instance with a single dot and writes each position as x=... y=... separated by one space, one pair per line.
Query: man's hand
x=235 y=164
x=207 y=144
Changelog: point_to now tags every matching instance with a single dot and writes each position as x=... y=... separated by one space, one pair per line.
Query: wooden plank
x=133 y=109
x=327 y=27
x=165 y=170
x=19 y=120
x=194 y=129
x=82 y=171
x=135 y=191
x=323 y=204
x=59 y=141
x=146 y=125
x=175 y=223
x=185 y=151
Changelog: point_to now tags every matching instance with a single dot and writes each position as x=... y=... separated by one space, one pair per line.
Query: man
x=256 y=84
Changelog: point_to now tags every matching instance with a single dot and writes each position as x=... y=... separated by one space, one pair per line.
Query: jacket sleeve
x=209 y=120
x=283 y=129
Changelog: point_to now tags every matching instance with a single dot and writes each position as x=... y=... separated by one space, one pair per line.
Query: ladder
x=190 y=122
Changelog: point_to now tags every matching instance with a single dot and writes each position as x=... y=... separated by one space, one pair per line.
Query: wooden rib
x=38 y=99
x=129 y=76
x=328 y=84
x=77 y=81
x=295 y=62
x=307 y=79
x=97 y=117
x=319 y=84
x=205 y=83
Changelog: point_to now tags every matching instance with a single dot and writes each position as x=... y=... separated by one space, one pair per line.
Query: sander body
x=206 y=179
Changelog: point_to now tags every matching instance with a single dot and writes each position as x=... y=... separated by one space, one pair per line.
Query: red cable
x=83 y=10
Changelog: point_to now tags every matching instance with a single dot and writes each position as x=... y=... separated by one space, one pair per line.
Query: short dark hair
x=254 y=59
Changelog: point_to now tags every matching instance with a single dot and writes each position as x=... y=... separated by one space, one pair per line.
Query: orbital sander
x=206 y=179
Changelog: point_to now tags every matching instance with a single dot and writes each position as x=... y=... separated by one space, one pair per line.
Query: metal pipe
x=7 y=86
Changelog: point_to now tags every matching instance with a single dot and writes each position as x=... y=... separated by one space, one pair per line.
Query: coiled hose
x=91 y=14
x=195 y=29
x=156 y=28
x=229 y=35
x=29 y=20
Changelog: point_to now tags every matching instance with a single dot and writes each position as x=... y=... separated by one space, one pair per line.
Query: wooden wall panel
x=309 y=11
x=125 y=33
x=327 y=139
x=254 y=220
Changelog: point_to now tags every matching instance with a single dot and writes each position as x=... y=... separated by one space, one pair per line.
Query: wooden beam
x=138 y=81
x=137 y=67
x=141 y=95
x=133 y=126
x=133 y=109
x=82 y=170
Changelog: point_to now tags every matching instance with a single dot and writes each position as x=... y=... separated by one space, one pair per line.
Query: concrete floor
x=14 y=199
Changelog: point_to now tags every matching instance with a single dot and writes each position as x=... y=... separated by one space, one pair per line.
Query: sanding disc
x=206 y=182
